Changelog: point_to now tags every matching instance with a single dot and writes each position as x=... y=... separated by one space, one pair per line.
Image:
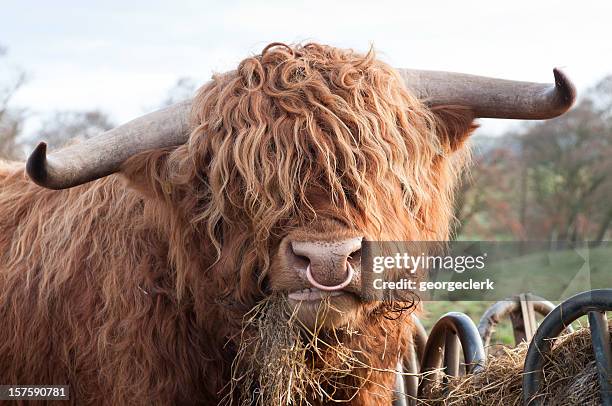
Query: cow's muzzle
x=327 y=265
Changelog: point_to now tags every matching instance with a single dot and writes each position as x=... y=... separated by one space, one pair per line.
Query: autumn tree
x=11 y=118
x=551 y=181
x=569 y=166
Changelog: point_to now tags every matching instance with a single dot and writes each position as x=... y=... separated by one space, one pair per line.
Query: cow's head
x=287 y=164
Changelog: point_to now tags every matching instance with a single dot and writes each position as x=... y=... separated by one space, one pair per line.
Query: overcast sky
x=123 y=56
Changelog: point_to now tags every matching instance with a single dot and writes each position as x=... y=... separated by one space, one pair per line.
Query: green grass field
x=434 y=310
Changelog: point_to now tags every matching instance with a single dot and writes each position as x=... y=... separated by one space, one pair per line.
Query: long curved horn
x=493 y=98
x=103 y=155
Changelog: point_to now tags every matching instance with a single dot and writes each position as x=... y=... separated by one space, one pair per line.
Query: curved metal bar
x=410 y=364
x=600 y=337
x=465 y=330
x=598 y=300
x=506 y=308
x=411 y=379
x=419 y=338
x=400 y=388
x=350 y=272
x=451 y=353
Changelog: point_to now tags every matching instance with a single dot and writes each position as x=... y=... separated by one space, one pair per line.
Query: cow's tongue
x=311 y=294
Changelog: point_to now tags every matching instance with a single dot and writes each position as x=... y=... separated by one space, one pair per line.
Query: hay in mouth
x=281 y=361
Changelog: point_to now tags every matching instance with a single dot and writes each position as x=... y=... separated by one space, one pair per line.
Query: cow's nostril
x=302 y=258
x=355 y=257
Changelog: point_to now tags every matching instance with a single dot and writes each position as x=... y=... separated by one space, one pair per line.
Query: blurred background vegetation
x=549 y=181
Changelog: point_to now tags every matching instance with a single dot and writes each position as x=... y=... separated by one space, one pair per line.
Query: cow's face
x=307 y=153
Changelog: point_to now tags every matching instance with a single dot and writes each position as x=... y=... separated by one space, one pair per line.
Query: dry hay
x=570 y=377
x=281 y=362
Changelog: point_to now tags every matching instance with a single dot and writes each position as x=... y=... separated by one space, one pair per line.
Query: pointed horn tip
x=36 y=166
x=565 y=88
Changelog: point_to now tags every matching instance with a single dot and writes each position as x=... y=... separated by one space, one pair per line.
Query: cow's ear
x=148 y=173
x=454 y=124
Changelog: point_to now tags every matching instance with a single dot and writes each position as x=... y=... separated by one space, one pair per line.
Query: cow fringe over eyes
x=301 y=132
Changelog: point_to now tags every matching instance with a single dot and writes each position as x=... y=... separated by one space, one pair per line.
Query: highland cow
x=209 y=252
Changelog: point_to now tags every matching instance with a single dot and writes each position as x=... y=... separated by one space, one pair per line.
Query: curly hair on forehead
x=294 y=135
x=299 y=117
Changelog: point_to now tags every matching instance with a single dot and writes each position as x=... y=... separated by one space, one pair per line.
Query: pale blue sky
x=122 y=56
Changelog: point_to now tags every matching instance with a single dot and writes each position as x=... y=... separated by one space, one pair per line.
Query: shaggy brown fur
x=132 y=289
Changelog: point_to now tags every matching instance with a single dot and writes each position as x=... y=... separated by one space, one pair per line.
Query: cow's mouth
x=312 y=294
x=316 y=308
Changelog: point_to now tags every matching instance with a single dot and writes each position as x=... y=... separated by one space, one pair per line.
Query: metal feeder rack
x=456 y=330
